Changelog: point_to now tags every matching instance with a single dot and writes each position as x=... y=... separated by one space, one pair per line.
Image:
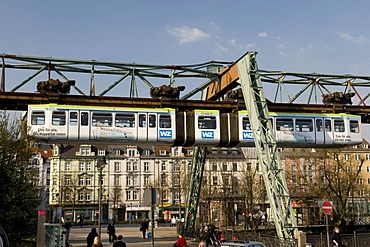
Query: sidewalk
x=164 y=236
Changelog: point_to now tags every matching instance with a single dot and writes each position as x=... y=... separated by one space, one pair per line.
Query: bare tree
x=69 y=189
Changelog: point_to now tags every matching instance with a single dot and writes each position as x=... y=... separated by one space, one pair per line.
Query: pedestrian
x=81 y=220
x=67 y=226
x=336 y=239
x=111 y=230
x=97 y=242
x=119 y=242
x=91 y=236
x=181 y=241
x=144 y=227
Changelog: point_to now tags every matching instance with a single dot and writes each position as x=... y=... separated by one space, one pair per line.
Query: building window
x=347 y=157
x=162 y=152
x=128 y=195
x=235 y=167
x=88 y=166
x=81 y=167
x=116 y=181
x=176 y=181
x=146 y=180
x=357 y=156
x=190 y=152
x=117 y=166
x=131 y=153
x=85 y=151
x=164 y=166
x=80 y=196
x=176 y=167
x=368 y=169
x=101 y=152
x=68 y=167
x=135 y=181
x=129 y=181
x=189 y=166
x=367 y=156
x=88 y=181
x=146 y=166
x=176 y=152
x=128 y=166
x=214 y=167
x=224 y=167
x=214 y=180
x=134 y=166
x=55 y=166
x=134 y=195
x=88 y=197
x=116 y=151
x=81 y=181
x=67 y=181
x=164 y=181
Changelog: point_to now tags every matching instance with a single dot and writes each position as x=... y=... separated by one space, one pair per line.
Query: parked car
x=232 y=243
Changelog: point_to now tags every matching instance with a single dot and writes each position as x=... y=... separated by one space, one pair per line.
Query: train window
x=207 y=122
x=73 y=118
x=284 y=124
x=164 y=121
x=354 y=126
x=84 y=118
x=142 y=120
x=125 y=120
x=246 y=124
x=327 y=125
x=38 y=118
x=152 y=121
x=58 y=118
x=303 y=125
x=318 y=125
x=338 y=125
x=101 y=119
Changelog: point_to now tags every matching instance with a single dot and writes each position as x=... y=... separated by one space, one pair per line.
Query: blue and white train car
x=80 y=123
x=307 y=129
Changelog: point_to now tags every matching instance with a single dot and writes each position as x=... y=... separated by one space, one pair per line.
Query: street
x=164 y=236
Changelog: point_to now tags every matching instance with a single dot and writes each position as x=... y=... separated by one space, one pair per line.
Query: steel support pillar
x=195 y=184
x=267 y=150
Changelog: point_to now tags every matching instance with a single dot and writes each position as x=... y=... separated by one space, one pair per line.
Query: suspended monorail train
x=83 y=124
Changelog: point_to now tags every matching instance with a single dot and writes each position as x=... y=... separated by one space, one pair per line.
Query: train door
x=147 y=128
x=84 y=131
x=319 y=131
x=328 y=131
x=73 y=126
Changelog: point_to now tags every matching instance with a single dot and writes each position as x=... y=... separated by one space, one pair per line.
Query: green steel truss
x=267 y=150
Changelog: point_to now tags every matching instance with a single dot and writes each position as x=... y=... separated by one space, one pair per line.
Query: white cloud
x=348 y=37
x=187 y=35
x=262 y=35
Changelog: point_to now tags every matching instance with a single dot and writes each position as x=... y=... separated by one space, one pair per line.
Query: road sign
x=327 y=207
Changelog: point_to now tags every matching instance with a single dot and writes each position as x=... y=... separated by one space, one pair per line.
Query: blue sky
x=294 y=36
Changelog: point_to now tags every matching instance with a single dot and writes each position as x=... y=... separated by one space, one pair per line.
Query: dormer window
x=162 y=152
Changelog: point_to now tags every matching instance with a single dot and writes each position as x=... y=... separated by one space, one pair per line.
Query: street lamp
x=100 y=166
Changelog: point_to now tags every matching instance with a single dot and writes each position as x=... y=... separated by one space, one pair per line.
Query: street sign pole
x=327 y=208
x=327 y=230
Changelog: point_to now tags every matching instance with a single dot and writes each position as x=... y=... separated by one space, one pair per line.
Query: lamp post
x=130 y=214
x=100 y=166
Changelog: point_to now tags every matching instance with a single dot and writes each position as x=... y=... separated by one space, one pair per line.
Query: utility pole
x=100 y=165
